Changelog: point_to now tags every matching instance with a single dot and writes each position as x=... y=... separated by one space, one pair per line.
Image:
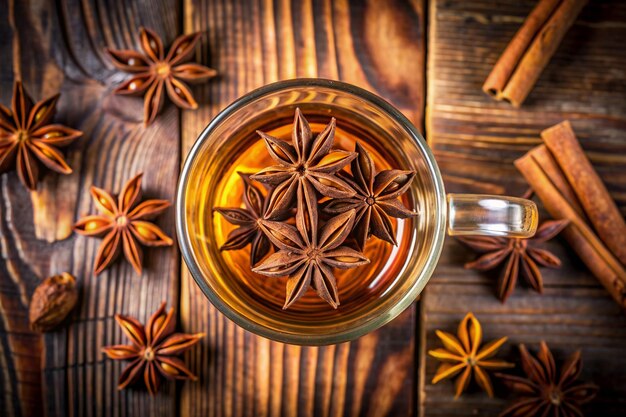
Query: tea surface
x=356 y=286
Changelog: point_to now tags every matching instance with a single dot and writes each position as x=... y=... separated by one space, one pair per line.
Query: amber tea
x=356 y=287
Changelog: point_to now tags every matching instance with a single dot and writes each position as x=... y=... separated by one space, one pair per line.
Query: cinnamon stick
x=589 y=188
x=530 y=50
x=600 y=261
x=546 y=161
x=506 y=64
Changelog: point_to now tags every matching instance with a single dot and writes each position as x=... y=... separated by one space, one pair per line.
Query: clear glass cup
x=221 y=276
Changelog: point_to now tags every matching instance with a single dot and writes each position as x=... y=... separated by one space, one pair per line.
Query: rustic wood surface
x=252 y=44
x=476 y=139
x=379 y=45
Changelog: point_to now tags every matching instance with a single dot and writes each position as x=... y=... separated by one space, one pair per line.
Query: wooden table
x=427 y=58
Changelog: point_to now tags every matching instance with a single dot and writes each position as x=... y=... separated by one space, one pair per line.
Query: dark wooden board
x=378 y=46
x=476 y=140
x=381 y=46
x=59 y=47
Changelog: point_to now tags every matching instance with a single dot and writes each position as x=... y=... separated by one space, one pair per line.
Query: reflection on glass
x=488 y=215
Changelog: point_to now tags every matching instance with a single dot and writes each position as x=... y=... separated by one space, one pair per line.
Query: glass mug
x=376 y=293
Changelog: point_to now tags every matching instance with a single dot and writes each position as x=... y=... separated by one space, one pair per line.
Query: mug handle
x=491 y=215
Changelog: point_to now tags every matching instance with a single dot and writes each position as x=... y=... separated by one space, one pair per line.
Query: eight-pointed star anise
x=465 y=354
x=305 y=165
x=27 y=138
x=376 y=199
x=154 y=350
x=544 y=392
x=248 y=219
x=155 y=72
x=307 y=255
x=124 y=224
x=521 y=253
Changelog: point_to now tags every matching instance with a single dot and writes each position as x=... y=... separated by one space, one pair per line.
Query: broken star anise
x=308 y=255
x=154 y=350
x=155 y=72
x=376 y=199
x=27 y=139
x=544 y=392
x=248 y=219
x=521 y=253
x=304 y=165
x=124 y=225
x=464 y=354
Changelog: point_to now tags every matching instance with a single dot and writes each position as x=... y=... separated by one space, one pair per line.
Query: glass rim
x=384 y=317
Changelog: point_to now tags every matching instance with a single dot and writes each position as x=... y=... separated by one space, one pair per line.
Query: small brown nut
x=52 y=301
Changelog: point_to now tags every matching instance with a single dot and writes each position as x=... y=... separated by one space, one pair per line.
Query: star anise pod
x=544 y=392
x=248 y=219
x=154 y=350
x=308 y=255
x=521 y=254
x=154 y=72
x=304 y=165
x=376 y=199
x=464 y=354
x=124 y=225
x=27 y=139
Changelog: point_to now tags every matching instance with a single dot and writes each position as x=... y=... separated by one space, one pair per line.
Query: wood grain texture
x=378 y=46
x=60 y=47
x=475 y=141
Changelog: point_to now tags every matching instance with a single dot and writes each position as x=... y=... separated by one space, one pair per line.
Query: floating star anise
x=522 y=254
x=124 y=224
x=248 y=219
x=155 y=73
x=307 y=255
x=465 y=354
x=154 y=350
x=376 y=199
x=27 y=139
x=304 y=165
x=544 y=392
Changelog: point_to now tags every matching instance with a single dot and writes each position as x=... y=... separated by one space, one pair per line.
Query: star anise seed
x=154 y=350
x=544 y=392
x=308 y=255
x=124 y=225
x=522 y=254
x=154 y=72
x=305 y=164
x=376 y=199
x=464 y=354
x=27 y=139
x=248 y=220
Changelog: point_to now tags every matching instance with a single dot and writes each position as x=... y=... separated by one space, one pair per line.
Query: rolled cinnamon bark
x=548 y=164
x=530 y=50
x=589 y=188
x=506 y=64
x=600 y=261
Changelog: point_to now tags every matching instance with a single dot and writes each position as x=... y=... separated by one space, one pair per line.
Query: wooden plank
x=475 y=141
x=379 y=46
x=62 y=49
